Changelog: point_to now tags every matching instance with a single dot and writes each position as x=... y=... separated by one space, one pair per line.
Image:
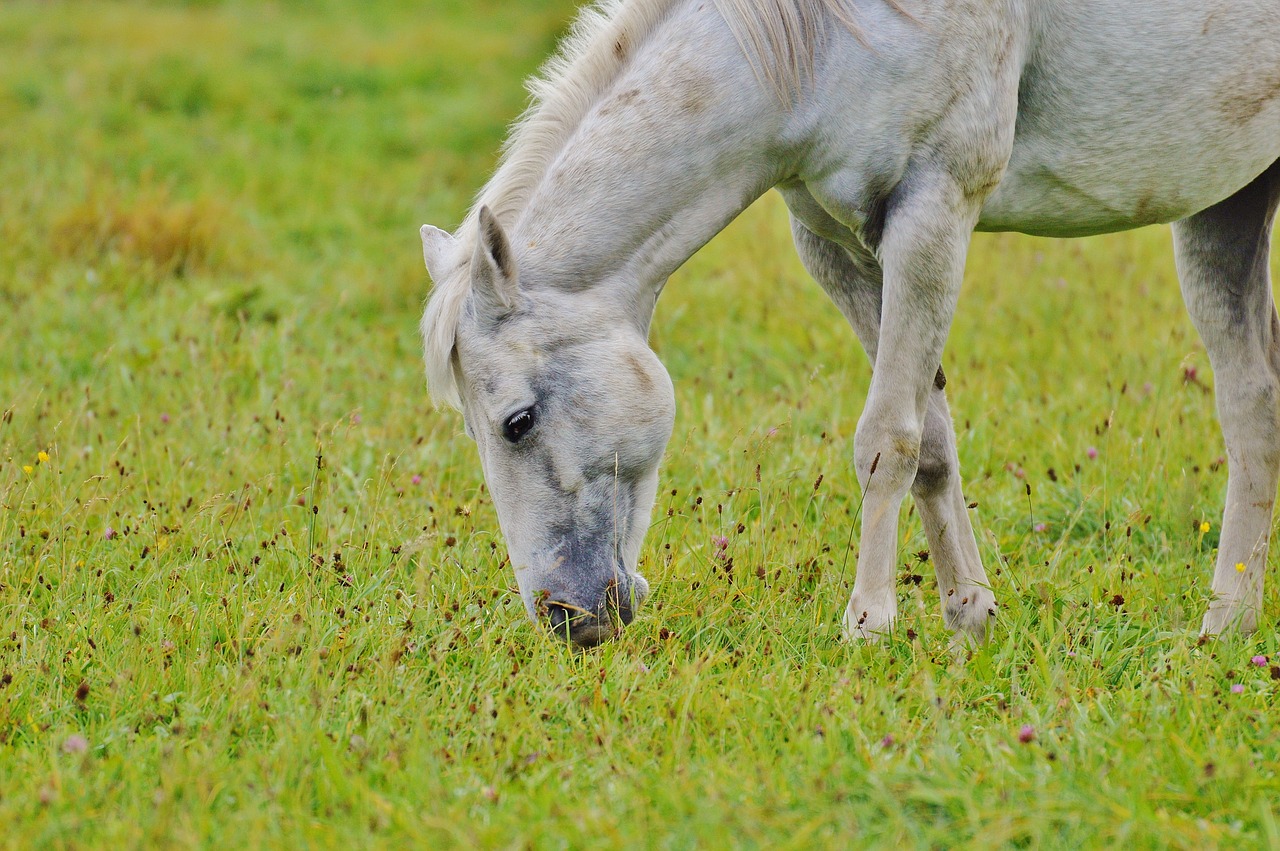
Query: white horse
x=893 y=130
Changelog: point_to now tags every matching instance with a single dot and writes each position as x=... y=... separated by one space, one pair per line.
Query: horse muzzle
x=586 y=618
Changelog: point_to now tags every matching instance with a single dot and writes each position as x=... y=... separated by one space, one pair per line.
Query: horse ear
x=493 y=268
x=437 y=250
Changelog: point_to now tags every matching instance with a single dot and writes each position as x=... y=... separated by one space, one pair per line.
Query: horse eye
x=518 y=425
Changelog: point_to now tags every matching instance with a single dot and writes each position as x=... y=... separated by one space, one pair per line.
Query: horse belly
x=1139 y=113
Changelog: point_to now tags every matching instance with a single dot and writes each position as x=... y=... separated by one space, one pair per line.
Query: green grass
x=255 y=596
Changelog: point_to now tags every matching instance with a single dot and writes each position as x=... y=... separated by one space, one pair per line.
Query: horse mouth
x=585 y=628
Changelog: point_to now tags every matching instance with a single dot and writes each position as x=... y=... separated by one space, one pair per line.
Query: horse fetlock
x=969 y=611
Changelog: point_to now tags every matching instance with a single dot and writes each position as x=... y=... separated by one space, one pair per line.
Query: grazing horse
x=893 y=129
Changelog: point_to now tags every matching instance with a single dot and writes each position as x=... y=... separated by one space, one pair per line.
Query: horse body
x=1138 y=113
x=1122 y=115
x=891 y=141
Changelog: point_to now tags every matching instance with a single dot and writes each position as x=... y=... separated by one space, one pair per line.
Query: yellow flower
x=1204 y=527
x=42 y=457
x=28 y=469
x=1239 y=567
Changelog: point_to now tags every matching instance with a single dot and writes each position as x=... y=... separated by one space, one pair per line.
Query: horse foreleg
x=1222 y=255
x=853 y=280
x=926 y=236
x=968 y=603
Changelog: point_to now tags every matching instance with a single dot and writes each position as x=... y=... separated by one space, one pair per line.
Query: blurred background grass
x=252 y=593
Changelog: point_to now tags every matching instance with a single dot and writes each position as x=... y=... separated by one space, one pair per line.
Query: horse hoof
x=868 y=624
x=970 y=613
x=1224 y=617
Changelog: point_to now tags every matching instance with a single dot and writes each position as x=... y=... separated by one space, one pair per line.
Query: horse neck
x=682 y=142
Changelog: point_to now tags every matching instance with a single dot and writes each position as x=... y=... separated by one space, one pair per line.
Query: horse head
x=570 y=411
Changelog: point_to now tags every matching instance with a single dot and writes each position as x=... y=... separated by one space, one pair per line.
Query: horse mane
x=779 y=38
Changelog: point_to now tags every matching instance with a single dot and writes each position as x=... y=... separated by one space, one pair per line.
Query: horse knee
x=886 y=458
x=919 y=457
x=936 y=467
x=937 y=464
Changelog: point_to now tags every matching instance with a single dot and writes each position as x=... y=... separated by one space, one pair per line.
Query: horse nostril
x=578 y=626
x=559 y=617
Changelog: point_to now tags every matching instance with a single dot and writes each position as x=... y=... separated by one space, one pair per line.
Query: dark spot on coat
x=940 y=380
x=1246 y=95
x=642 y=377
x=1142 y=209
x=694 y=100
x=905 y=446
x=618 y=103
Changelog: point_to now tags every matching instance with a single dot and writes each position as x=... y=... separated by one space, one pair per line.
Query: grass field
x=251 y=588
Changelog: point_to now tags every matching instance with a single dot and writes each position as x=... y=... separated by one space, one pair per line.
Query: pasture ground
x=251 y=590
